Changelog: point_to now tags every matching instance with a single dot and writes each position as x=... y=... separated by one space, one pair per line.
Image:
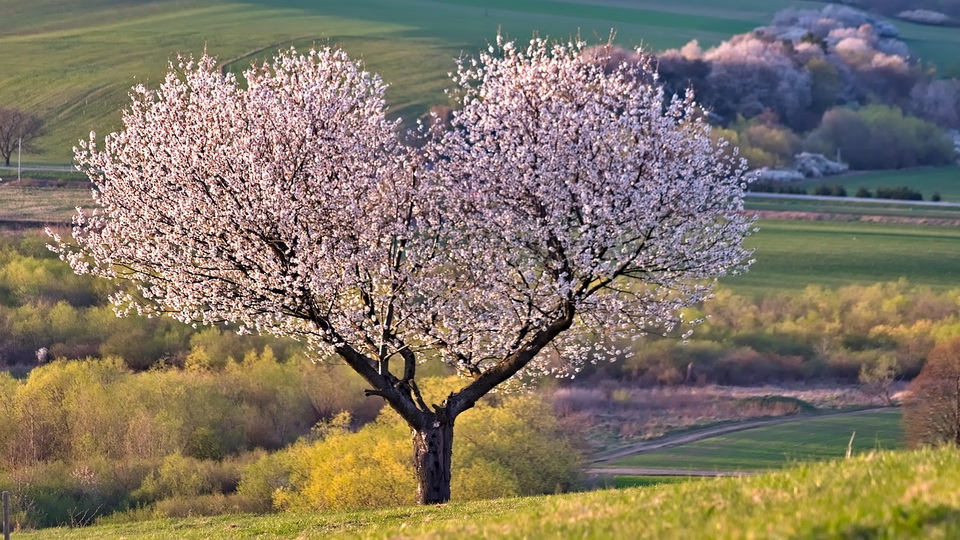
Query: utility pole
x=19 y=148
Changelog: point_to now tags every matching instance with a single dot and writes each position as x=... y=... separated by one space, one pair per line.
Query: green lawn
x=794 y=254
x=773 y=447
x=899 y=495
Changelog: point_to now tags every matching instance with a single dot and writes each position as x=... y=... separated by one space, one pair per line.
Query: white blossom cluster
x=924 y=16
x=766 y=174
x=568 y=202
x=585 y=186
x=954 y=136
x=812 y=165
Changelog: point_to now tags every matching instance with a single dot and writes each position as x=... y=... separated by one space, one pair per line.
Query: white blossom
x=572 y=204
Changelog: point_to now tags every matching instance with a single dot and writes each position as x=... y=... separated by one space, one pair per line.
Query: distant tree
x=938 y=101
x=750 y=75
x=570 y=201
x=18 y=131
x=878 y=375
x=931 y=414
x=880 y=137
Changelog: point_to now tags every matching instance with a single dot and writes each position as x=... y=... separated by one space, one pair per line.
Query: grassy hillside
x=773 y=447
x=794 y=254
x=881 y=495
x=73 y=62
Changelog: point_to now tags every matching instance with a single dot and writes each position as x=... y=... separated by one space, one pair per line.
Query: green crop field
x=794 y=254
x=883 y=495
x=74 y=62
x=772 y=447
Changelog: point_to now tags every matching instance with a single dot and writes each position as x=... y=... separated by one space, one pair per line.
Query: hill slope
x=883 y=495
x=74 y=62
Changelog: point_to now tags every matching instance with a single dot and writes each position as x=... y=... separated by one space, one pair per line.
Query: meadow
x=876 y=495
x=774 y=447
x=74 y=63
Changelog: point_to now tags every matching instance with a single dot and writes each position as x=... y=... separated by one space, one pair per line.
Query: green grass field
x=772 y=447
x=74 y=62
x=944 y=180
x=794 y=254
x=884 y=495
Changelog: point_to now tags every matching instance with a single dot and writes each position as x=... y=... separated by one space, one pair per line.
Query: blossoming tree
x=571 y=205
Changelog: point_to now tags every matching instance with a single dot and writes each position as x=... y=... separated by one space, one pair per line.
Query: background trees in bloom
x=570 y=202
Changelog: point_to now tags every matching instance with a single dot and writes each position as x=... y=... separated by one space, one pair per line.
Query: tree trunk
x=432 y=450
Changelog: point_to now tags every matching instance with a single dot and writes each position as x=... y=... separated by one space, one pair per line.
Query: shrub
x=775 y=187
x=831 y=191
x=932 y=409
x=264 y=479
x=779 y=405
x=515 y=447
x=901 y=193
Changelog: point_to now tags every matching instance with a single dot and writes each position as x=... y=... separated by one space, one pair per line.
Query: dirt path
x=692 y=436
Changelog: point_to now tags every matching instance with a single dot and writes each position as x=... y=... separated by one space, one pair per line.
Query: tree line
x=834 y=81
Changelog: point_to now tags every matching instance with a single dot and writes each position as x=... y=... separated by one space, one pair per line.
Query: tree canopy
x=572 y=200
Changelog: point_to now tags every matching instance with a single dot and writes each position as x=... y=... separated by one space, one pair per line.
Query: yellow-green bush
x=510 y=445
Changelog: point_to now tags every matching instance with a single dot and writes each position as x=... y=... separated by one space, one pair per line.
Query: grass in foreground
x=772 y=447
x=879 y=495
x=791 y=255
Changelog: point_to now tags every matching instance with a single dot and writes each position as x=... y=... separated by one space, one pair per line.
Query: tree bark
x=432 y=451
